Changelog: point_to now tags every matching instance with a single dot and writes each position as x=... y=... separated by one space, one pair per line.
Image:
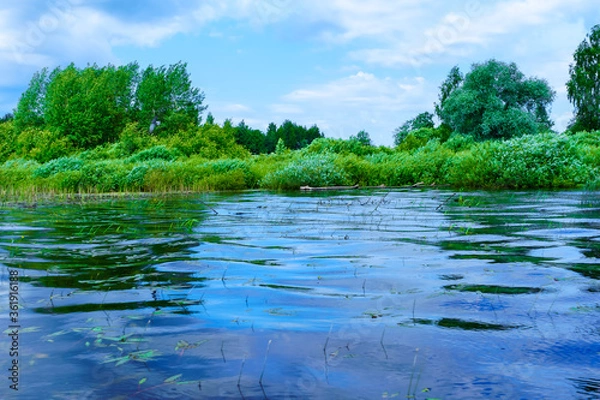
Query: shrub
x=155 y=153
x=317 y=170
x=41 y=145
x=62 y=164
x=458 y=142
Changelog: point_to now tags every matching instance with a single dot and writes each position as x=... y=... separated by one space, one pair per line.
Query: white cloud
x=232 y=108
x=467 y=29
x=361 y=101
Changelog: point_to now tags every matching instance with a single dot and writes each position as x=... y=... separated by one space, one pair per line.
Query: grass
x=543 y=161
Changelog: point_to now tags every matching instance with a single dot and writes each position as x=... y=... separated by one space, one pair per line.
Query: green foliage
x=251 y=139
x=63 y=164
x=93 y=106
x=540 y=161
x=155 y=153
x=583 y=87
x=30 y=109
x=316 y=170
x=88 y=106
x=167 y=94
x=423 y=120
x=41 y=145
x=340 y=146
x=457 y=142
x=208 y=141
x=7 y=140
x=280 y=148
x=132 y=139
x=363 y=138
x=494 y=101
x=294 y=136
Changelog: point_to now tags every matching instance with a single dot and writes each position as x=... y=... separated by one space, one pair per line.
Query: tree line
x=74 y=109
x=495 y=100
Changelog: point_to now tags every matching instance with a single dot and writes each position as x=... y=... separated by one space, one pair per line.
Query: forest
x=131 y=129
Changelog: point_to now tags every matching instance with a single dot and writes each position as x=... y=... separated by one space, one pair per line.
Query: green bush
x=63 y=164
x=530 y=161
x=316 y=170
x=41 y=145
x=457 y=142
x=155 y=153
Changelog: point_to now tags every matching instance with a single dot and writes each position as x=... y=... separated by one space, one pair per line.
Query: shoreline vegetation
x=98 y=130
x=541 y=161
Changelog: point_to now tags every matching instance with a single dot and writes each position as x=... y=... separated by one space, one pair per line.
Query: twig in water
x=445 y=201
x=223 y=277
x=412 y=374
x=380 y=201
x=325 y=354
x=206 y=205
x=240 y=377
x=381 y=342
x=222 y=352
x=264 y=364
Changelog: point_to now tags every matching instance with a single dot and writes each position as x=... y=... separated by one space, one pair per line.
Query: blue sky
x=345 y=65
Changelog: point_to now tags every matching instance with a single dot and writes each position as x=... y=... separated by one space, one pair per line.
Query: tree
x=88 y=106
x=166 y=93
x=92 y=106
x=251 y=139
x=7 y=118
x=495 y=101
x=294 y=136
x=271 y=138
x=210 y=120
x=583 y=87
x=423 y=120
x=30 y=109
x=363 y=138
x=452 y=82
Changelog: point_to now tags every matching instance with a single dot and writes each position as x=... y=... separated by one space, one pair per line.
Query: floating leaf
x=122 y=361
x=183 y=345
x=63 y=332
x=141 y=382
x=173 y=378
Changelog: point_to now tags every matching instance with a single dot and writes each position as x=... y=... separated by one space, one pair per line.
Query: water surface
x=383 y=294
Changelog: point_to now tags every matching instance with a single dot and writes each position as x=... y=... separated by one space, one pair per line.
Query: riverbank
x=544 y=161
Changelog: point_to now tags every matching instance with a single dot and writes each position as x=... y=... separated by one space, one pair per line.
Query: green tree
x=452 y=82
x=583 y=87
x=251 y=139
x=280 y=147
x=93 y=105
x=30 y=108
x=210 y=120
x=363 y=138
x=495 y=101
x=271 y=138
x=167 y=94
x=88 y=106
x=423 y=120
x=296 y=136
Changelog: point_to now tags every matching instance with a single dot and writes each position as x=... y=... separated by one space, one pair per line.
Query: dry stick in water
x=264 y=363
x=240 y=377
x=222 y=352
x=381 y=342
x=325 y=354
x=412 y=374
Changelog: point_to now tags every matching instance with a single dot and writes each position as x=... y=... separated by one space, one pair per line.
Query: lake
x=421 y=294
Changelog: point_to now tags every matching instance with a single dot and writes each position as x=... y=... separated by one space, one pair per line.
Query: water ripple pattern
x=415 y=293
